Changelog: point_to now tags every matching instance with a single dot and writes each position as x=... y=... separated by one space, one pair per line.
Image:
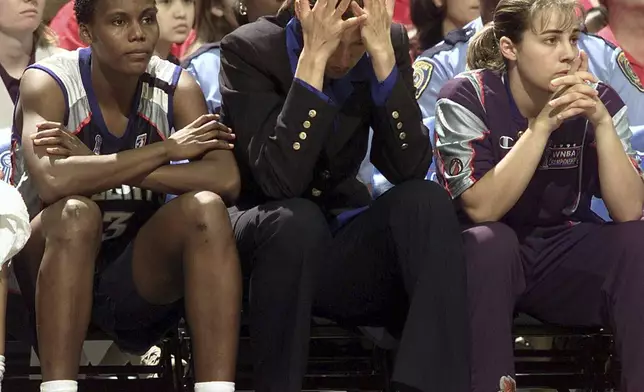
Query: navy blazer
x=292 y=143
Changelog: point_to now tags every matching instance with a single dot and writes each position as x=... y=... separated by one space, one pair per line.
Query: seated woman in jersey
x=215 y=19
x=24 y=39
x=523 y=143
x=94 y=142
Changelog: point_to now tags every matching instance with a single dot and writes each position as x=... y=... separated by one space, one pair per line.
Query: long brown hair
x=209 y=27
x=428 y=18
x=511 y=19
x=44 y=36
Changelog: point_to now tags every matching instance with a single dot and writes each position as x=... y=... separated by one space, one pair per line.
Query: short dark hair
x=84 y=10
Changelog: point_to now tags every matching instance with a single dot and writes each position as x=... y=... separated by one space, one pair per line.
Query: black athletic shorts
x=118 y=310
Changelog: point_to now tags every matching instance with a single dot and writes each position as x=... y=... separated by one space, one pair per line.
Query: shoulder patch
x=626 y=68
x=422 y=74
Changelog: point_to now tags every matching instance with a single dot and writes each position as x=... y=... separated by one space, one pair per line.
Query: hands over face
x=376 y=27
x=323 y=25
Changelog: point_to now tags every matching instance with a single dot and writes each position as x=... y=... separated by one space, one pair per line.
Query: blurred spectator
x=65 y=26
x=625 y=29
x=176 y=19
x=402 y=13
x=17 y=52
x=433 y=19
x=216 y=18
x=596 y=15
x=620 y=22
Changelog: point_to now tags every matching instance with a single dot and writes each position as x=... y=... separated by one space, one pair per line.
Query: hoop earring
x=243 y=10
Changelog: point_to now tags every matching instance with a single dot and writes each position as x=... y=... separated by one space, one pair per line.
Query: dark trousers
x=280 y=244
x=398 y=264
x=585 y=275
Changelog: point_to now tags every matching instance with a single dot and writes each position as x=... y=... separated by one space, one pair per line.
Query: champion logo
x=506 y=142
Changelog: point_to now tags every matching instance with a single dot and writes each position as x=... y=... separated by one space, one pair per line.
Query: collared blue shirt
x=336 y=91
x=205 y=69
x=448 y=58
x=434 y=67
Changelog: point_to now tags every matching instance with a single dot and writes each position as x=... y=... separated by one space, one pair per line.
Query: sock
x=1 y=370
x=215 y=386
x=59 y=386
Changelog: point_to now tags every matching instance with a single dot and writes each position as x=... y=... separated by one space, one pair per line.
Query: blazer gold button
x=296 y=146
x=399 y=125
x=404 y=146
x=306 y=124
x=316 y=192
x=395 y=115
x=303 y=135
x=326 y=174
x=402 y=135
x=312 y=113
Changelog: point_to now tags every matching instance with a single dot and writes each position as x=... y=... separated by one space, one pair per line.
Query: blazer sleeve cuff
x=315 y=91
x=381 y=91
x=401 y=119
x=305 y=121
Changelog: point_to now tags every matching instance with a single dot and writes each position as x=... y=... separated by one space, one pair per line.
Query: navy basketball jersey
x=126 y=208
x=478 y=123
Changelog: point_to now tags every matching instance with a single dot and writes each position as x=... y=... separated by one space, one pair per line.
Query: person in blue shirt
x=435 y=18
x=302 y=89
x=434 y=67
x=215 y=19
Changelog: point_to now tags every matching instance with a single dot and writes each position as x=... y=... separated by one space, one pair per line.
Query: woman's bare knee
x=204 y=210
x=73 y=219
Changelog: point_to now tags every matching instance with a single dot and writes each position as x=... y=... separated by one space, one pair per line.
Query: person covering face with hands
x=339 y=43
x=318 y=76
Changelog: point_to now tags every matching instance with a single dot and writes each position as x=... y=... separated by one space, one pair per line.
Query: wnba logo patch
x=561 y=157
x=141 y=140
x=98 y=142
